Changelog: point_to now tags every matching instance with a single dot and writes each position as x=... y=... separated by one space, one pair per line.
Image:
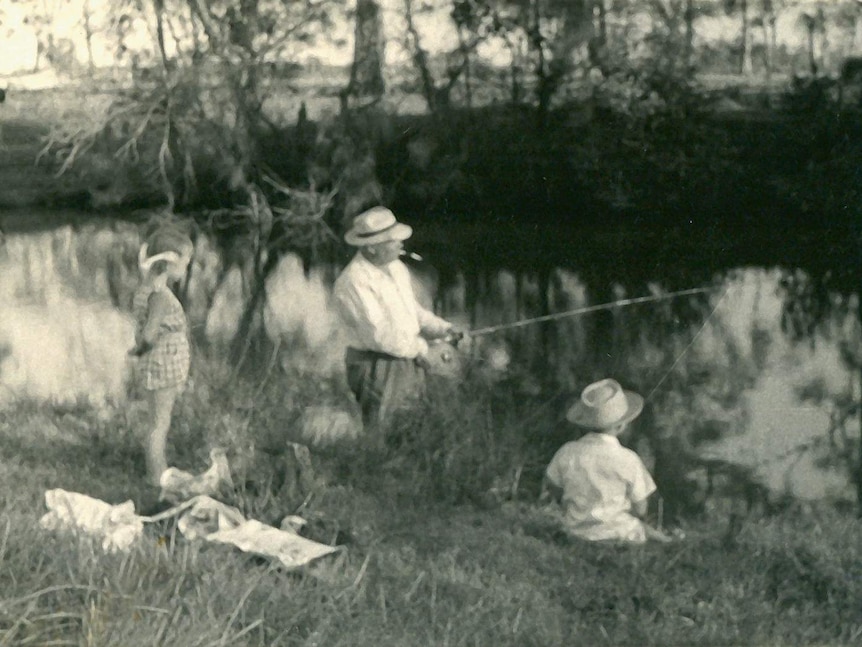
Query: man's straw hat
x=377 y=225
x=605 y=404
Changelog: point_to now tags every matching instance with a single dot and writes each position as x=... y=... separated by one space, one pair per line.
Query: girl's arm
x=157 y=308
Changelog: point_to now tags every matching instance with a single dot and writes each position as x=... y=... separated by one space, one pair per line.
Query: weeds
x=445 y=544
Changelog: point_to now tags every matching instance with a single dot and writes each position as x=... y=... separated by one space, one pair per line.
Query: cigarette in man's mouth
x=413 y=255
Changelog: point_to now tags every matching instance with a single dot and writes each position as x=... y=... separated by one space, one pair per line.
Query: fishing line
x=660 y=520
x=690 y=344
x=604 y=306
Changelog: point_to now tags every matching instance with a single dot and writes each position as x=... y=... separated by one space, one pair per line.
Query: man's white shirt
x=380 y=309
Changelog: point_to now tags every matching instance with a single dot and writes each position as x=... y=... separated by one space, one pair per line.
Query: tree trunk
x=547 y=337
x=599 y=43
x=420 y=59
x=159 y=9
x=197 y=49
x=812 y=61
x=688 y=16
x=88 y=35
x=366 y=71
x=468 y=80
x=824 y=41
x=251 y=316
x=769 y=38
x=602 y=333
x=545 y=89
x=602 y=26
x=745 y=63
x=516 y=91
x=858 y=472
x=471 y=296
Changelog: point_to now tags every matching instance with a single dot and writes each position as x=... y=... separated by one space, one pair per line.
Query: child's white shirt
x=600 y=480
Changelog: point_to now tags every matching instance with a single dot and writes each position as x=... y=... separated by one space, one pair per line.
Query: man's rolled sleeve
x=431 y=324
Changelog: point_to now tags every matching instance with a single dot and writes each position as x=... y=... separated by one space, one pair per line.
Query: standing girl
x=161 y=337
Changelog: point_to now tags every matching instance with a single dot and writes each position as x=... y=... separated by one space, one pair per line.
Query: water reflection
x=786 y=440
x=730 y=380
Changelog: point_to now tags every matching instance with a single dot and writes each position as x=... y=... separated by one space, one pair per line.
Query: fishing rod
x=587 y=309
x=443 y=356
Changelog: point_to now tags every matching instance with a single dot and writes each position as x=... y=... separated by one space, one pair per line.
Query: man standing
x=388 y=330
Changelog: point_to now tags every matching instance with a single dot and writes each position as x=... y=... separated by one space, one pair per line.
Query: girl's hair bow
x=146 y=262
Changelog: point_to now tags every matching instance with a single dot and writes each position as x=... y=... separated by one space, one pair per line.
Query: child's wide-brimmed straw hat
x=377 y=225
x=605 y=404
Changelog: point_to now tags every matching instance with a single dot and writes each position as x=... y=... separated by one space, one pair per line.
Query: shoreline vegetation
x=744 y=219
x=426 y=561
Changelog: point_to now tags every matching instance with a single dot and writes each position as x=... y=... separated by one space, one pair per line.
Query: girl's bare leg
x=161 y=403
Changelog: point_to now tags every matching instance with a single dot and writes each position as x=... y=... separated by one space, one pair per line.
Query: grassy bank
x=443 y=546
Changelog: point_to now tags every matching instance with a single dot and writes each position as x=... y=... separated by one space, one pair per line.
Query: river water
x=64 y=333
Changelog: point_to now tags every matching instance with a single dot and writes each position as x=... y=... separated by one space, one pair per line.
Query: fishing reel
x=444 y=357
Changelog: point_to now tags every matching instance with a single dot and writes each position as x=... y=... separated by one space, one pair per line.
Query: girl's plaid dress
x=166 y=364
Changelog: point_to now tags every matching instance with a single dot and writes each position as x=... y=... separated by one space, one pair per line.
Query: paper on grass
x=208 y=519
x=290 y=549
x=201 y=517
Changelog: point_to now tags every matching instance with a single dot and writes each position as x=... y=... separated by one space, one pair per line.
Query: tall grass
x=445 y=545
x=423 y=565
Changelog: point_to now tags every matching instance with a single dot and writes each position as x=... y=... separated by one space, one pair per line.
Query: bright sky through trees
x=66 y=19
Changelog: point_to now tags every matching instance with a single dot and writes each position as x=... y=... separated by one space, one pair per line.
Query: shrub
x=462 y=444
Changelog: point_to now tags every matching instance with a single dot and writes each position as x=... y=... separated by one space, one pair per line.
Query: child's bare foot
x=654 y=534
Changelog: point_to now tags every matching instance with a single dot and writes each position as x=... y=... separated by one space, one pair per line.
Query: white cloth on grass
x=600 y=480
x=118 y=527
x=178 y=485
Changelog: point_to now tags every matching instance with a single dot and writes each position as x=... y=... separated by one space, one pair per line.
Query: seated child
x=604 y=486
